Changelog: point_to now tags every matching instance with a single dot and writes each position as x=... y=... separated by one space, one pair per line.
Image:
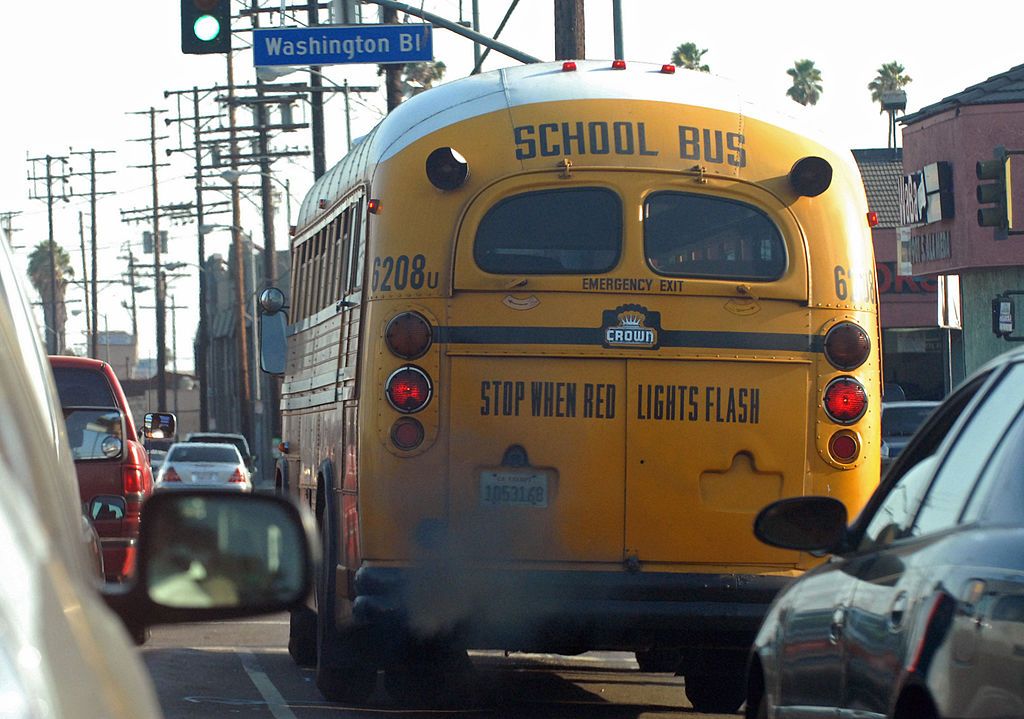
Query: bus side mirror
x=273 y=326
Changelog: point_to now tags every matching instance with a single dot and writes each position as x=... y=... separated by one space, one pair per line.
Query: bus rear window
x=568 y=231
x=700 y=236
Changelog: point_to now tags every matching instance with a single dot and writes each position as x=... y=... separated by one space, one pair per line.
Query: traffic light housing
x=205 y=26
x=995 y=192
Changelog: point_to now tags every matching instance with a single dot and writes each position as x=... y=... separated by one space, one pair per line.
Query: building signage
x=926 y=196
x=342 y=44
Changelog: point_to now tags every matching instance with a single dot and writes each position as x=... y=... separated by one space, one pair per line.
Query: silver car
x=202 y=465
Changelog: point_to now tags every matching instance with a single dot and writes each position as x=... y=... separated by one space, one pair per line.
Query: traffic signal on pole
x=995 y=192
x=205 y=26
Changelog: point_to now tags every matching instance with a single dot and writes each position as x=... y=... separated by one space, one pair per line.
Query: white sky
x=76 y=69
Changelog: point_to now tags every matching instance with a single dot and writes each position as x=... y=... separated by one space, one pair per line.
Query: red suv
x=114 y=476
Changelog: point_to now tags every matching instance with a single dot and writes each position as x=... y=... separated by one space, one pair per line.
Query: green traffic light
x=206 y=28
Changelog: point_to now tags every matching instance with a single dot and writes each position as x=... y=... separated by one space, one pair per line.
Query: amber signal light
x=408 y=335
x=847 y=345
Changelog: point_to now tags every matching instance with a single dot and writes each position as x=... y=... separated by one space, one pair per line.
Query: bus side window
x=357 y=235
x=337 y=258
x=302 y=281
x=346 y=251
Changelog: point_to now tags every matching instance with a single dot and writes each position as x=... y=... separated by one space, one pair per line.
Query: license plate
x=512 y=488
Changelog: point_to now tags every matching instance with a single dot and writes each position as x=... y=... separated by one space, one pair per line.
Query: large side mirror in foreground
x=809 y=524
x=206 y=555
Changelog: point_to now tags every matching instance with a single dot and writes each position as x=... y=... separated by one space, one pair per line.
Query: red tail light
x=844 y=446
x=171 y=476
x=408 y=335
x=845 y=400
x=847 y=346
x=236 y=477
x=408 y=389
x=133 y=471
x=407 y=433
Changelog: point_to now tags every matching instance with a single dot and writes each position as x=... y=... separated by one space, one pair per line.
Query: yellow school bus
x=554 y=335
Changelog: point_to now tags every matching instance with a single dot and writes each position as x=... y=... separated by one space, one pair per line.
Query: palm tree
x=890 y=77
x=806 y=87
x=40 y=276
x=420 y=76
x=688 y=55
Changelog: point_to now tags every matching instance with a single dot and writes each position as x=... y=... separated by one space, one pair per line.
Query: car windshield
x=203 y=453
x=903 y=421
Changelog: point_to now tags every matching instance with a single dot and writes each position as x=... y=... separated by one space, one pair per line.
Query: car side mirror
x=808 y=524
x=206 y=555
x=159 y=425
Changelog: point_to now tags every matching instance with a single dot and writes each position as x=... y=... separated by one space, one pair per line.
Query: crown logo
x=631 y=318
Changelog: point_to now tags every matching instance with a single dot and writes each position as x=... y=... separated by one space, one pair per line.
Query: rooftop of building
x=1002 y=88
x=881 y=170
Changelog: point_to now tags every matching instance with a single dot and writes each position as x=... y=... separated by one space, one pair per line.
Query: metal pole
x=476 y=28
x=348 y=124
x=620 y=54
x=202 y=333
x=457 y=29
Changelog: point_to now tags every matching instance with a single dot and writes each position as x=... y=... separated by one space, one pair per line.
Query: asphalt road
x=243 y=669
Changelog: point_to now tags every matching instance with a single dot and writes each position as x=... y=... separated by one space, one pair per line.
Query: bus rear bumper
x=566 y=612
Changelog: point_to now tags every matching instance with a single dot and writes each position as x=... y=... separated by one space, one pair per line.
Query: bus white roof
x=510 y=87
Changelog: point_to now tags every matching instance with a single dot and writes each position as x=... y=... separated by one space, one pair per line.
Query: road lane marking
x=275 y=702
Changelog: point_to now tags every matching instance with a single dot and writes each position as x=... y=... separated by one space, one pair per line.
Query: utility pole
x=316 y=102
x=85 y=278
x=617 y=29
x=94 y=348
x=392 y=73
x=7 y=226
x=158 y=289
x=244 y=387
x=569 y=30
x=50 y=320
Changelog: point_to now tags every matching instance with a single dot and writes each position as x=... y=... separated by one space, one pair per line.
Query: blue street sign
x=342 y=44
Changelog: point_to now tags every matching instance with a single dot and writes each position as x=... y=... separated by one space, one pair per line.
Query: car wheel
x=302 y=636
x=715 y=694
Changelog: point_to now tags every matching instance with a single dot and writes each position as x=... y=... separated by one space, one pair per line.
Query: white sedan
x=201 y=465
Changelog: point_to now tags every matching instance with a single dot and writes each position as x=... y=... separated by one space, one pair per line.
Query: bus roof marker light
x=618 y=64
x=374 y=206
x=872 y=219
x=568 y=66
x=447 y=169
x=811 y=176
x=668 y=69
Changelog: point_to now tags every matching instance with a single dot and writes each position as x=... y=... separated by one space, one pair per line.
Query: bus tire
x=440 y=676
x=340 y=676
x=302 y=636
x=715 y=693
